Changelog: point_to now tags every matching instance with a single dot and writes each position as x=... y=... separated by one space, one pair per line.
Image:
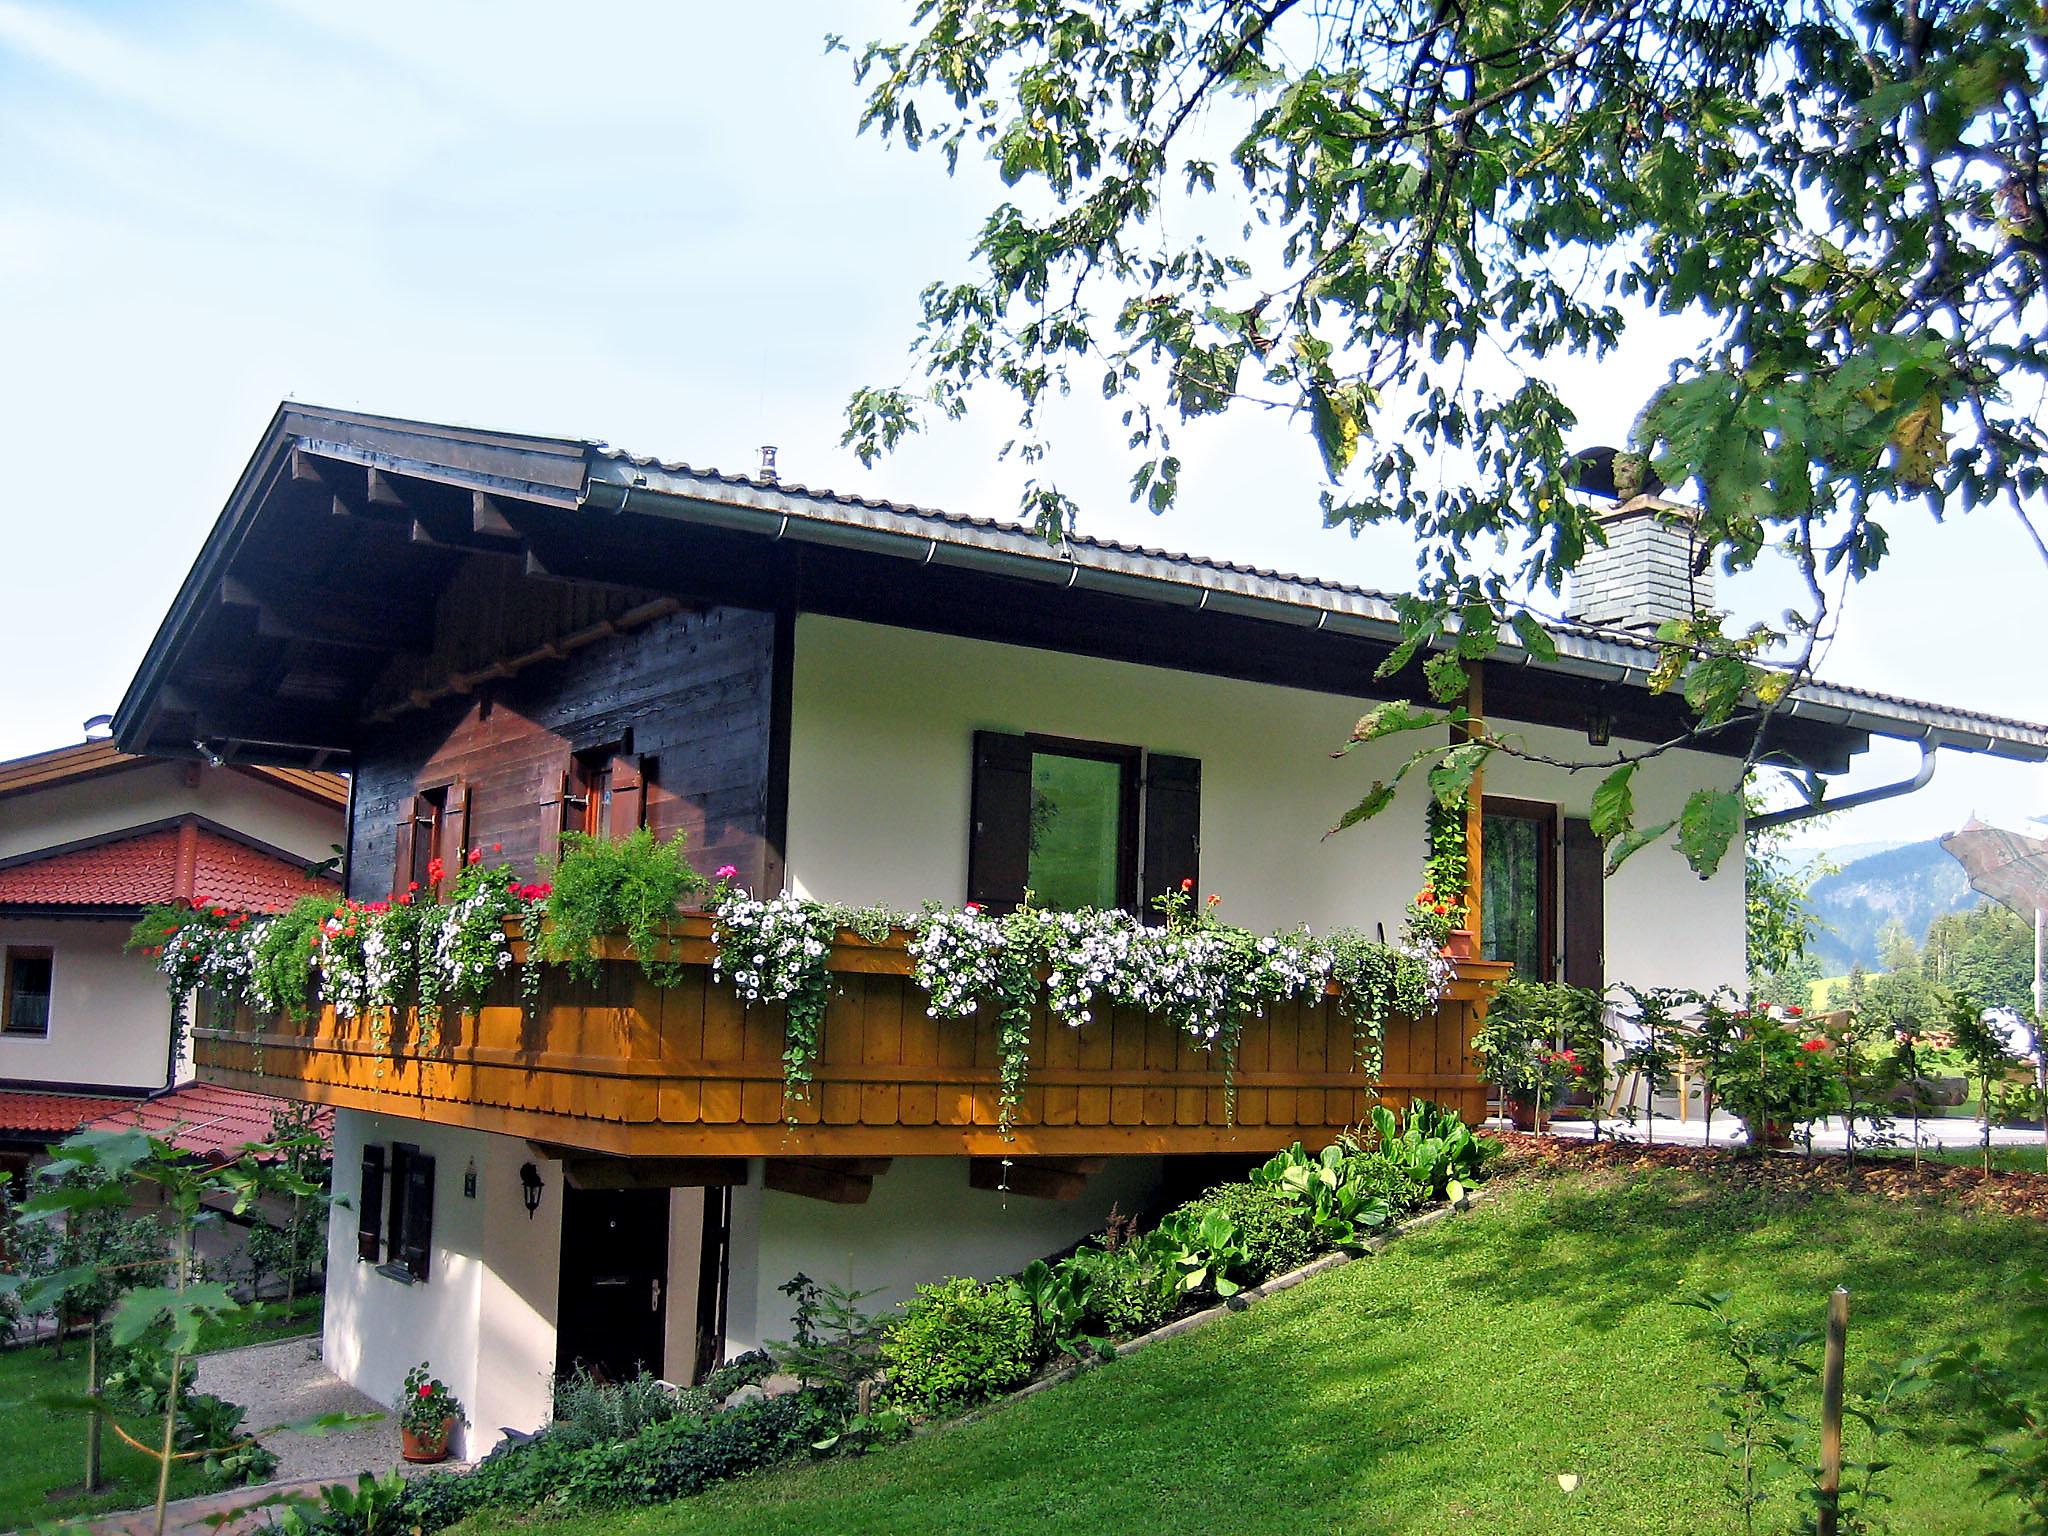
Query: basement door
x=612 y=1310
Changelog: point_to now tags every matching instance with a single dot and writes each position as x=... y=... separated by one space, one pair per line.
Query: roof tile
x=137 y=871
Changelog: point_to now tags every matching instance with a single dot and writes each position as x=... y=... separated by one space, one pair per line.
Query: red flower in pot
x=427 y=1416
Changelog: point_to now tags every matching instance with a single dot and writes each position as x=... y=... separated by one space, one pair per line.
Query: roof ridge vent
x=767 y=475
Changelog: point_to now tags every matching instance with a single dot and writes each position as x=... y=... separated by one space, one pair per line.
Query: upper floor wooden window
x=25 y=985
x=1079 y=823
x=604 y=794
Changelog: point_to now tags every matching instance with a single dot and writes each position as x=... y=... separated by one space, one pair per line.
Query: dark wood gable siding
x=690 y=692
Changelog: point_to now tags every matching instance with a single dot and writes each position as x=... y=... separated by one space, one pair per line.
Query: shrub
x=1273 y=1232
x=958 y=1342
x=1130 y=1289
x=1381 y=1177
x=588 y=1411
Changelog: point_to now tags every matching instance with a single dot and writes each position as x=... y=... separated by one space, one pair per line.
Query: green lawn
x=51 y=1455
x=45 y=1451
x=1442 y=1386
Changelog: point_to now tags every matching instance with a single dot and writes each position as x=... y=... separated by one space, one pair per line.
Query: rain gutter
x=1920 y=779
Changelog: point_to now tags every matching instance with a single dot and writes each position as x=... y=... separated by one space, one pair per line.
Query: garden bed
x=1887 y=1176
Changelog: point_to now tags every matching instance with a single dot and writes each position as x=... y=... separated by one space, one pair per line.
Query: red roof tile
x=204 y=1119
x=162 y=865
x=56 y=1114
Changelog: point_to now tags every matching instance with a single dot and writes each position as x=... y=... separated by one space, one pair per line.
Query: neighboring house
x=502 y=637
x=89 y=836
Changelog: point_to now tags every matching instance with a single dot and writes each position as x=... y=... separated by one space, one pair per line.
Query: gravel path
x=284 y=1382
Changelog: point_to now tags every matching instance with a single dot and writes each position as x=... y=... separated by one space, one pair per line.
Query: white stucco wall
x=880 y=782
x=109 y=1017
x=921 y=1223
x=135 y=797
x=484 y=1318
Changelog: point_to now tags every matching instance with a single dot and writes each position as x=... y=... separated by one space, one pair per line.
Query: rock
x=752 y=1392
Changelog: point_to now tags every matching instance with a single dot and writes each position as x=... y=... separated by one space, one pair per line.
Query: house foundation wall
x=921 y=1223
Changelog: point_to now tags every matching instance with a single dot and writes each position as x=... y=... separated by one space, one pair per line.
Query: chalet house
x=89 y=836
x=501 y=636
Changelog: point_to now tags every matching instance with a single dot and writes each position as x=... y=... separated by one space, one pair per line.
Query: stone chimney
x=1644 y=575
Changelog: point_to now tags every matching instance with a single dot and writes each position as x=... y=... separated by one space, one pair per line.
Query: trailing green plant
x=1446 y=861
x=284 y=956
x=777 y=952
x=633 y=886
x=958 y=1342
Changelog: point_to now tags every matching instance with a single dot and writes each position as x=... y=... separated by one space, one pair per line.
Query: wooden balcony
x=629 y=1069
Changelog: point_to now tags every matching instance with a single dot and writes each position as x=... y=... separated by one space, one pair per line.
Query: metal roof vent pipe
x=99 y=728
x=1652 y=567
x=767 y=476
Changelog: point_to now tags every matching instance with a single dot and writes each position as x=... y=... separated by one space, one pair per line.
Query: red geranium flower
x=1814 y=1045
x=476 y=855
x=1188 y=884
x=426 y=1389
x=974 y=907
x=1794 y=1010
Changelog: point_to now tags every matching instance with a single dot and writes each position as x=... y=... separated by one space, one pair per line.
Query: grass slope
x=1443 y=1385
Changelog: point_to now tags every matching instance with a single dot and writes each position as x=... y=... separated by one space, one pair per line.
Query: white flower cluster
x=957 y=955
x=772 y=950
x=470 y=946
x=218 y=960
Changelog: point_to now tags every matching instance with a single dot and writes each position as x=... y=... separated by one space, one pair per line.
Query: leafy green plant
x=1203 y=1247
x=370 y=1508
x=284 y=955
x=1437 y=1150
x=633 y=886
x=1057 y=1296
x=1985 y=1054
x=1275 y=1231
x=1997 y=1404
x=958 y=1342
x=1775 y=1075
x=1130 y=1286
x=743 y=1370
x=1334 y=1193
x=588 y=1410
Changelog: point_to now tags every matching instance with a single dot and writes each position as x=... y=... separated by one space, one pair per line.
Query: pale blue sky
x=647 y=224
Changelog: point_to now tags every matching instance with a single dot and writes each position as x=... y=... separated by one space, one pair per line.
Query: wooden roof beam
x=836 y=1180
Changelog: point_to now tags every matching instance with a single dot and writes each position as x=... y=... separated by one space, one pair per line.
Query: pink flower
x=728 y=871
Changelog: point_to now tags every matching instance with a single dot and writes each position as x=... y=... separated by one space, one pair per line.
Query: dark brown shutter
x=629 y=795
x=999 y=841
x=370 y=1205
x=556 y=811
x=1585 y=906
x=412 y=1214
x=1173 y=826
x=455 y=843
x=401 y=866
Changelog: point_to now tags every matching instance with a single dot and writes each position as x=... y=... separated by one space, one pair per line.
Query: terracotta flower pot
x=1522 y=1113
x=1458 y=944
x=1772 y=1134
x=425 y=1445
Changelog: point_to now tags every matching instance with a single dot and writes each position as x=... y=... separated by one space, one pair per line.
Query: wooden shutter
x=1585 y=906
x=455 y=844
x=1173 y=826
x=370 y=1205
x=555 y=813
x=401 y=867
x=999 y=841
x=629 y=794
x=412 y=1211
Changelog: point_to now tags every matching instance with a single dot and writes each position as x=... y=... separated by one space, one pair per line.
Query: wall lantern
x=529 y=1188
x=1599 y=724
x=469 y=1181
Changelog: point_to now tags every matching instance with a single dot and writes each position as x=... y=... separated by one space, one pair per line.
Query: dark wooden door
x=613 y=1305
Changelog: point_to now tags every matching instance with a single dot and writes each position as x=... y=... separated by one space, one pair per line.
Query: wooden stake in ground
x=1831 y=1410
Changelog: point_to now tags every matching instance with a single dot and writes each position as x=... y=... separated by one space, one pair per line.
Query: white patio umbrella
x=2012 y=869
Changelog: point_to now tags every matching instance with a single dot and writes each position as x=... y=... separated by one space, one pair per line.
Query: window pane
x=1513 y=897
x=1076 y=822
x=28 y=994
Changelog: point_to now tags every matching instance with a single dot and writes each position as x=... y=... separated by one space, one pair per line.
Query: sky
x=653 y=225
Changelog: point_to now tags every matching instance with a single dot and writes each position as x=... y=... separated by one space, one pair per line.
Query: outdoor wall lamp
x=1599 y=725
x=529 y=1188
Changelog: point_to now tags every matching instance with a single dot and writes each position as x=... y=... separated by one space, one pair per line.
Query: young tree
x=1396 y=218
x=1986 y=1055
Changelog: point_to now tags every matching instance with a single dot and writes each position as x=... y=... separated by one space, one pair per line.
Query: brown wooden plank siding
x=629 y=1069
x=693 y=689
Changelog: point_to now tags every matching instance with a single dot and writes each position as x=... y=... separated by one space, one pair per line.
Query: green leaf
x=145 y=1306
x=1619 y=851
x=1452 y=778
x=1707 y=826
x=1390 y=718
x=1445 y=675
x=1536 y=640
x=1376 y=799
x=1614 y=804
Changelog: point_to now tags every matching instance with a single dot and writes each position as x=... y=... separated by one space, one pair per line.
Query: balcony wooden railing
x=630 y=1069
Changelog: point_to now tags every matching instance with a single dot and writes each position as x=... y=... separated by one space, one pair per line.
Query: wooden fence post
x=1831 y=1410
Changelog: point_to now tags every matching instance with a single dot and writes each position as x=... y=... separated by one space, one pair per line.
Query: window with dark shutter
x=1173 y=825
x=1585 y=906
x=1061 y=819
x=1518 y=897
x=629 y=795
x=370 y=1206
x=409 y=1222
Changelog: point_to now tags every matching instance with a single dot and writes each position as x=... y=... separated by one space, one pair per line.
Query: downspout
x=1871 y=796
